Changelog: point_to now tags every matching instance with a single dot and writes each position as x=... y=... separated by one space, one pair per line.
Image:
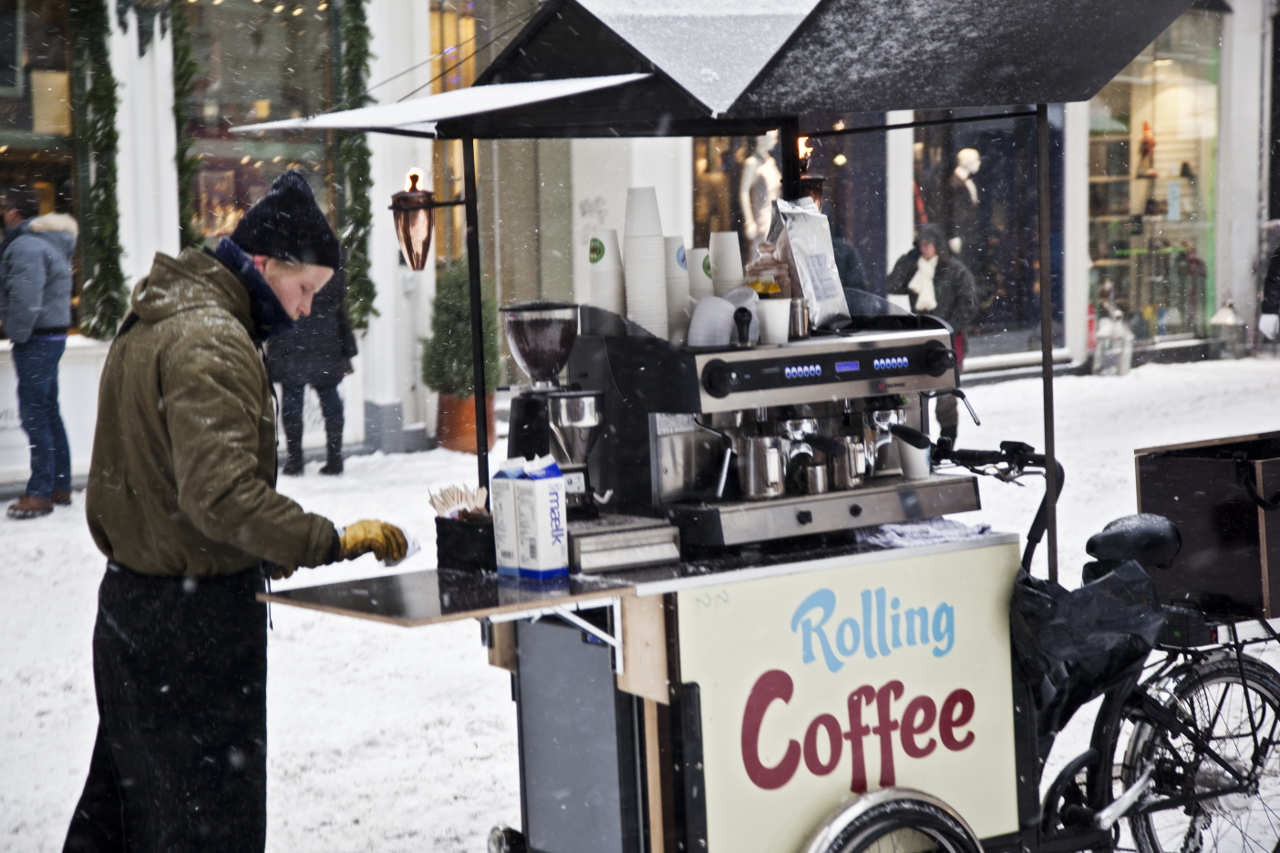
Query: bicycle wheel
x=1195 y=804
x=894 y=821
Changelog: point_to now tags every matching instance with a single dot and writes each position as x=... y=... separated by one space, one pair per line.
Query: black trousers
x=180 y=672
x=291 y=402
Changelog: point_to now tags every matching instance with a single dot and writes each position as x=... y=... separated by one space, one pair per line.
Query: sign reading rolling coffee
x=819 y=686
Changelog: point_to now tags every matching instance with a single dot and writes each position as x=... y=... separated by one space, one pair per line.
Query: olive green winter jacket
x=184 y=456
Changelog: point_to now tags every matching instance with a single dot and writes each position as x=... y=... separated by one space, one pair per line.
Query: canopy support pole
x=788 y=140
x=477 y=313
x=1046 y=330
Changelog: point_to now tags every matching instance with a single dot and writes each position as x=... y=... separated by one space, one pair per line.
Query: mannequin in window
x=966 y=234
x=964 y=227
x=760 y=185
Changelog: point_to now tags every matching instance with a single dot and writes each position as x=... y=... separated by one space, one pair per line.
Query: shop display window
x=454 y=45
x=257 y=61
x=36 y=143
x=1153 y=140
x=978 y=181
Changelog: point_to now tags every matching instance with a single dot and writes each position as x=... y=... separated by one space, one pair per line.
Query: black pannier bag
x=1073 y=645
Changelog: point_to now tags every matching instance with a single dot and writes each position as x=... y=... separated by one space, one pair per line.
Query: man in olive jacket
x=181 y=499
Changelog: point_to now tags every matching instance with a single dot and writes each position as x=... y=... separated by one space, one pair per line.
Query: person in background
x=938 y=283
x=182 y=501
x=35 y=313
x=317 y=351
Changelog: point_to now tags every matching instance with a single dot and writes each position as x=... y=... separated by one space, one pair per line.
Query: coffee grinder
x=547 y=418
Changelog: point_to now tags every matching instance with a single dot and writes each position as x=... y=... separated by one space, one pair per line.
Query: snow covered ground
x=391 y=739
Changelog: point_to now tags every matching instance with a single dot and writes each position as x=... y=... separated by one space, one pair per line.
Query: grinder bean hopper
x=546 y=418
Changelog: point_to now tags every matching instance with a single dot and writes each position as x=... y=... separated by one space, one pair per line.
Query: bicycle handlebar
x=1012 y=460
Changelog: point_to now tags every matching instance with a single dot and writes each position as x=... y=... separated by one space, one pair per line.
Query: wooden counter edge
x=644 y=648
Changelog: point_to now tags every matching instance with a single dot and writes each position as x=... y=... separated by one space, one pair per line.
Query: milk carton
x=502 y=499
x=541 y=524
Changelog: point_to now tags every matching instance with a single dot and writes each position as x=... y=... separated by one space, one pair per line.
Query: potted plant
x=446 y=359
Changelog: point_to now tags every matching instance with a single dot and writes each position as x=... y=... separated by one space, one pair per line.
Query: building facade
x=1161 y=182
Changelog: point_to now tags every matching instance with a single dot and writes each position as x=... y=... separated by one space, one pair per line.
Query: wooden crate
x=1230 y=555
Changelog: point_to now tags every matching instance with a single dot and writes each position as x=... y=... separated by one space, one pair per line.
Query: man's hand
x=279 y=573
x=1269 y=326
x=386 y=541
x=955 y=244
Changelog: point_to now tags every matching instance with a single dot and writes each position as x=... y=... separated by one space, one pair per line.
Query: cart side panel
x=818 y=685
x=578 y=742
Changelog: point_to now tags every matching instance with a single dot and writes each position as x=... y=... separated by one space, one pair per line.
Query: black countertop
x=448 y=594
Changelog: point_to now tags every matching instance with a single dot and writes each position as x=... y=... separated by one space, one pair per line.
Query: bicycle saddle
x=1152 y=540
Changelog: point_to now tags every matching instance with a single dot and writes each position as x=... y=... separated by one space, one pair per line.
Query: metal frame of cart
x=823 y=57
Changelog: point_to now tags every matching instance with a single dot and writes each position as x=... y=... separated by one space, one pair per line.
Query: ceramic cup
x=775 y=320
x=915 y=460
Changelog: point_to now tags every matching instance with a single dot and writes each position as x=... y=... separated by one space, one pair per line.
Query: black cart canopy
x=706 y=67
x=718 y=64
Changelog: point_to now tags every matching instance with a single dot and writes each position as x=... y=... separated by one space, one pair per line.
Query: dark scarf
x=269 y=316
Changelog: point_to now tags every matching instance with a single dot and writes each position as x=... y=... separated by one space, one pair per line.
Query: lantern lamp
x=413 y=210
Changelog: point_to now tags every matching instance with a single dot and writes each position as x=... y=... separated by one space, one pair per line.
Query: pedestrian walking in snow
x=35 y=312
x=181 y=499
x=938 y=283
x=317 y=351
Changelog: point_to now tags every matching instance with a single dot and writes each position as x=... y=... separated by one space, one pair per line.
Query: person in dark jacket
x=35 y=312
x=317 y=351
x=182 y=501
x=938 y=283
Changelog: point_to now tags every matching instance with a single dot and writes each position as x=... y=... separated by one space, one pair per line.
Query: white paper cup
x=602 y=249
x=678 y=304
x=673 y=256
x=642 y=213
x=699 y=264
x=775 y=320
x=915 y=460
x=726 y=262
x=606 y=290
x=646 y=283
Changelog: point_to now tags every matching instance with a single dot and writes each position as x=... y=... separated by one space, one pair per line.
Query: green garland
x=353 y=156
x=105 y=296
x=190 y=234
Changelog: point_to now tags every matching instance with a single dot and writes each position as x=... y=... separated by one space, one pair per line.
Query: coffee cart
x=737 y=696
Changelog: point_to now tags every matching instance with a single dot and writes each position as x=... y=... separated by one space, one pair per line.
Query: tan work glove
x=386 y=541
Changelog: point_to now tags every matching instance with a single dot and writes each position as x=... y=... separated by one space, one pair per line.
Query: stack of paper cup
x=699 y=263
x=678 y=305
x=642 y=213
x=644 y=264
x=726 y=262
x=604 y=271
x=646 y=283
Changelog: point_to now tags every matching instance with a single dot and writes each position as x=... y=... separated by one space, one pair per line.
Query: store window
x=258 y=60
x=737 y=178
x=1153 y=144
x=453 y=66
x=36 y=146
x=977 y=180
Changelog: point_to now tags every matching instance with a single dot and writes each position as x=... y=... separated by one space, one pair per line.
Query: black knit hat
x=288 y=224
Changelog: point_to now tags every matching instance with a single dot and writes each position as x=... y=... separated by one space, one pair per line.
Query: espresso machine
x=750 y=444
